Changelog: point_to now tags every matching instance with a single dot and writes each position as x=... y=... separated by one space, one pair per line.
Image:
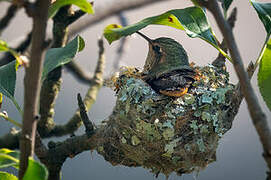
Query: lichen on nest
x=168 y=134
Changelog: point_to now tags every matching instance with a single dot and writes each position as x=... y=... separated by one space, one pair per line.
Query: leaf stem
x=17 y=106
x=262 y=52
x=224 y=54
x=10 y=120
x=219 y=49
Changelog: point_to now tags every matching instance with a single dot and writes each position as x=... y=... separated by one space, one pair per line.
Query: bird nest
x=168 y=134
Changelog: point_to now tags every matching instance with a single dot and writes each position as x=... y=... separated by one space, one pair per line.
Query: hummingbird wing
x=173 y=81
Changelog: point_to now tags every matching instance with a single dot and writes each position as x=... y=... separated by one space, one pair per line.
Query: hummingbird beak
x=145 y=37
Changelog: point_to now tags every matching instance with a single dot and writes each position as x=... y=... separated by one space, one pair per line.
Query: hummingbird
x=167 y=68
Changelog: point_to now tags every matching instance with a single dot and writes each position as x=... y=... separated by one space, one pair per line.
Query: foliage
x=264 y=59
x=264 y=75
x=84 y=5
x=194 y=22
x=54 y=58
x=8 y=81
x=7 y=176
x=8 y=74
x=264 y=13
x=10 y=158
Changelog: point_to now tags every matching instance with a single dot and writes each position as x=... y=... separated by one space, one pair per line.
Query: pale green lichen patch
x=206 y=98
x=166 y=134
x=135 y=141
x=206 y=116
x=168 y=124
x=204 y=129
x=189 y=99
x=100 y=149
x=169 y=148
x=194 y=126
x=201 y=145
x=148 y=130
x=123 y=140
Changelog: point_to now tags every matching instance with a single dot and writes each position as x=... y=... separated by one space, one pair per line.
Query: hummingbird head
x=165 y=55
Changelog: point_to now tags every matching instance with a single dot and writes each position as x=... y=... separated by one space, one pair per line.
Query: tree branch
x=32 y=84
x=49 y=128
x=60 y=151
x=256 y=113
x=83 y=114
x=75 y=122
x=52 y=83
x=220 y=60
x=90 y=97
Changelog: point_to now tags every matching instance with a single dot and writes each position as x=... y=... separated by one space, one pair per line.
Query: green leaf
x=8 y=81
x=84 y=5
x=264 y=75
x=195 y=2
x=9 y=158
x=264 y=13
x=3 y=46
x=56 y=57
x=192 y=20
x=7 y=176
x=35 y=170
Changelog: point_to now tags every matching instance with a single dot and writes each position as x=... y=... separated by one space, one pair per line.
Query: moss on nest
x=168 y=134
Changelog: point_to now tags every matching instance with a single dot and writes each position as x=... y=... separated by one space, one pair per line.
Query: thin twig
x=89 y=128
x=32 y=84
x=220 y=60
x=256 y=113
x=12 y=121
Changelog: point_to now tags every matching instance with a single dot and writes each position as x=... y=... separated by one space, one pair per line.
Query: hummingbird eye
x=157 y=49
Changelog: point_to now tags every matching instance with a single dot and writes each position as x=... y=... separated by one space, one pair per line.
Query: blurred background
x=239 y=155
